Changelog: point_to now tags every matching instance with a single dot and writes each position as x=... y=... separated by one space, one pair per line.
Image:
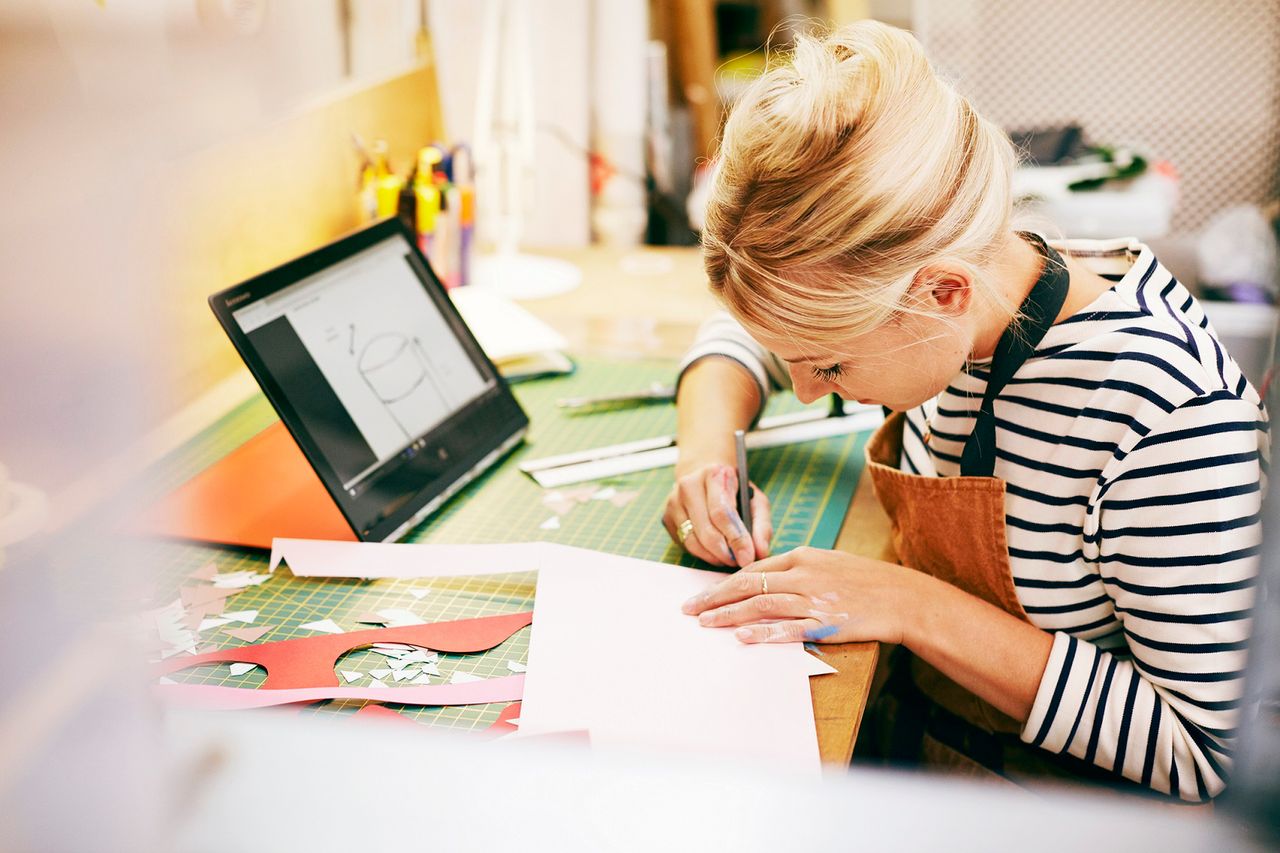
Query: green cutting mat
x=809 y=484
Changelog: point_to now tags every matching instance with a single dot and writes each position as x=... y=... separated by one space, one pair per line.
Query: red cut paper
x=382 y=711
x=309 y=661
x=502 y=725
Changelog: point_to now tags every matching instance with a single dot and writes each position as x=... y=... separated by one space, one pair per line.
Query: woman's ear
x=945 y=289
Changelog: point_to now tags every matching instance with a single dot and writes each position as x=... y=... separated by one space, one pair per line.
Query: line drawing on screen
x=396 y=369
x=385 y=349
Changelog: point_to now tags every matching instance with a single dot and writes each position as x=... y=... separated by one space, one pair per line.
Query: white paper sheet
x=712 y=694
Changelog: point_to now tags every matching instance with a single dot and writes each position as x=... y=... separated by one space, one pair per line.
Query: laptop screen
x=373 y=371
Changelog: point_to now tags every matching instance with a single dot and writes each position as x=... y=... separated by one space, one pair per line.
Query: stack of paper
x=519 y=344
x=611 y=652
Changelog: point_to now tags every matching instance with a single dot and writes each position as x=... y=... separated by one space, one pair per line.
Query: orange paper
x=262 y=489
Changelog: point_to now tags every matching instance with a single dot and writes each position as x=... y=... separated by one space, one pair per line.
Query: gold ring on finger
x=685 y=528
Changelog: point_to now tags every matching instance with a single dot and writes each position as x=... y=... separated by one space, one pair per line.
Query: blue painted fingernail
x=820 y=633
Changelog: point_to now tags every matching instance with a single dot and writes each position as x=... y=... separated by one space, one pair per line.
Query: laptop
x=375 y=375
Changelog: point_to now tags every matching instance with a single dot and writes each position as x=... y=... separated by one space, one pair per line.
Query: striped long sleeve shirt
x=1133 y=451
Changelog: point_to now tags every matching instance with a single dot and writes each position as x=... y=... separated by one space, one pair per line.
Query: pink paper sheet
x=217 y=698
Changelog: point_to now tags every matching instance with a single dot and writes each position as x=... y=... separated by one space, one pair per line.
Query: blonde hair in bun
x=842 y=174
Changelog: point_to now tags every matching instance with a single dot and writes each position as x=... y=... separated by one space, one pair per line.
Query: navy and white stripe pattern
x=1133 y=451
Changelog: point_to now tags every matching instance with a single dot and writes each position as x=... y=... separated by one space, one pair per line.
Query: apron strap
x=1016 y=345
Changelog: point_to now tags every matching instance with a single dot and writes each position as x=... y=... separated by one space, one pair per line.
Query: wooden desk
x=649 y=302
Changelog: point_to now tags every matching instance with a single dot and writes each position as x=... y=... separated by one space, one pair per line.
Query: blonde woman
x=1072 y=464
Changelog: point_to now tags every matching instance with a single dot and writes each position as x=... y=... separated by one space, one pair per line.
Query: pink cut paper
x=216 y=698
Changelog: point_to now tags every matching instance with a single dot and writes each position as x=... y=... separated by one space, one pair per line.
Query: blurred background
x=152 y=153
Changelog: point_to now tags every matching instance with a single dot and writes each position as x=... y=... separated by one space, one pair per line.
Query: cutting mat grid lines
x=809 y=484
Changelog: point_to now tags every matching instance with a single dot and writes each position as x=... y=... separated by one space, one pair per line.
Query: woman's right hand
x=707 y=496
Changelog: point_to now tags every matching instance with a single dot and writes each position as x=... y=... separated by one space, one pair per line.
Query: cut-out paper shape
x=404 y=674
x=166 y=681
x=376 y=683
x=205 y=572
x=503 y=724
x=241 y=668
x=249 y=635
x=382 y=712
x=397 y=616
x=430 y=668
x=349 y=676
x=309 y=661
x=464 y=678
x=623 y=497
x=395 y=654
x=239 y=580
x=418 y=594
x=608 y=493
x=516 y=666
x=394 y=647
x=372 y=619
x=326 y=625
x=421 y=656
x=219 y=698
x=380 y=673
x=245 y=616
x=422 y=679
x=552 y=523
x=206 y=624
x=398 y=663
x=196 y=595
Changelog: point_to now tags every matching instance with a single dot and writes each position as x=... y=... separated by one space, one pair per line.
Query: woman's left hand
x=813 y=595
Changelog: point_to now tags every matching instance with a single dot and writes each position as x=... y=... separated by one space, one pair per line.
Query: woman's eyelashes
x=828 y=374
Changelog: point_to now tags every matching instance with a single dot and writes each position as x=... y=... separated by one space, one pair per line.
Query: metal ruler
x=659 y=452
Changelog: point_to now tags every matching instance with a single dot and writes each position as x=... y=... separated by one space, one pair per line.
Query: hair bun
x=850 y=166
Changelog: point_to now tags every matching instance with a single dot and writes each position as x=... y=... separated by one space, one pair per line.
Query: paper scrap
x=350 y=676
x=421 y=655
x=397 y=647
x=623 y=497
x=422 y=679
x=239 y=580
x=249 y=635
x=398 y=663
x=419 y=593
x=385 y=713
x=552 y=523
x=326 y=625
x=516 y=666
x=605 y=494
x=376 y=683
x=194 y=595
x=206 y=624
x=465 y=678
x=217 y=697
x=404 y=674
x=431 y=669
x=241 y=668
x=391 y=653
x=379 y=673
x=245 y=616
x=166 y=681
x=397 y=617
x=371 y=619
x=205 y=572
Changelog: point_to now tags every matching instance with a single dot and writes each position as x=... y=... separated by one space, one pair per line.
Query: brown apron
x=953 y=528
